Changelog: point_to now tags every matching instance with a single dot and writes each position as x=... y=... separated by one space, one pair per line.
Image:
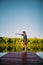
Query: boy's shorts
x=25 y=43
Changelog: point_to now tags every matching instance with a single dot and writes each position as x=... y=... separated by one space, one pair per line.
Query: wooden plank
x=19 y=58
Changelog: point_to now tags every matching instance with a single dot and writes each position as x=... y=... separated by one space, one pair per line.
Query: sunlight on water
x=40 y=54
x=1 y=54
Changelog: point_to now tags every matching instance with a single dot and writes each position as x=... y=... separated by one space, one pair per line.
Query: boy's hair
x=24 y=32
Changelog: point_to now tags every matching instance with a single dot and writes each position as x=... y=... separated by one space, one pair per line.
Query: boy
x=24 y=39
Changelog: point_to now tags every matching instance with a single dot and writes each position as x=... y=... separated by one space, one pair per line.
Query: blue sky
x=19 y=15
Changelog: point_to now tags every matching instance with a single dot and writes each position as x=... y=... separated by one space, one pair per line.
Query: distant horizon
x=22 y=37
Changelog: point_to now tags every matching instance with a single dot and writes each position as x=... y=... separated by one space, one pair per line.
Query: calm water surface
x=2 y=53
x=40 y=54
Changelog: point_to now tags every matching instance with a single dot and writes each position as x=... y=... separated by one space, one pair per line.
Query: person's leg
x=25 y=47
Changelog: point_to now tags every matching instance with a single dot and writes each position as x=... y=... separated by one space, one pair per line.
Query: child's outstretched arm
x=19 y=34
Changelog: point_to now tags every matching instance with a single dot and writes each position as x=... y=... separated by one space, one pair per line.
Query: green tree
x=41 y=40
x=2 y=40
x=10 y=40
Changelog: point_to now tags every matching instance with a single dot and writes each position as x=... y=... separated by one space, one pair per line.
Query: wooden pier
x=21 y=58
